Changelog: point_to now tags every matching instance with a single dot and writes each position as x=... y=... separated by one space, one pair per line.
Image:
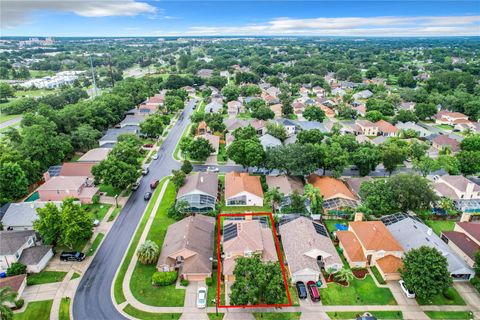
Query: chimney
x=358 y=216
x=465 y=217
x=469 y=190
x=46 y=176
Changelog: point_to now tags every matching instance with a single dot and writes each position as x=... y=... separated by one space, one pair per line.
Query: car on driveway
x=408 y=293
x=201 y=297
x=72 y=256
x=147 y=195
x=313 y=290
x=154 y=184
x=301 y=290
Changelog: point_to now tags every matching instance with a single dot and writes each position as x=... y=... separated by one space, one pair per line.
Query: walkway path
x=11 y=122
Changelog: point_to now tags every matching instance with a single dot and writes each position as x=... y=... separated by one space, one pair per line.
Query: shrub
x=16 y=268
x=184 y=282
x=476 y=283
x=209 y=281
x=19 y=303
x=449 y=294
x=96 y=199
x=163 y=279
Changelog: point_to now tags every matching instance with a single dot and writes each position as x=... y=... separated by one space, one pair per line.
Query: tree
x=425 y=165
x=405 y=116
x=377 y=196
x=115 y=172
x=313 y=113
x=469 y=162
x=76 y=224
x=13 y=182
x=6 y=91
x=471 y=143
x=85 y=137
x=411 y=192
x=417 y=150
x=245 y=133
x=277 y=130
x=425 y=110
x=335 y=159
x=274 y=197
x=286 y=159
x=215 y=122
x=449 y=163
x=178 y=178
x=148 y=252
x=476 y=266
x=16 y=268
x=200 y=149
x=392 y=156
x=405 y=79
x=248 y=153
x=425 y=272
x=366 y=159
x=186 y=167
x=231 y=92
x=49 y=223
x=374 y=116
x=372 y=72
x=263 y=113
x=152 y=126
x=185 y=143
x=315 y=198
x=310 y=136
x=7 y=298
x=345 y=274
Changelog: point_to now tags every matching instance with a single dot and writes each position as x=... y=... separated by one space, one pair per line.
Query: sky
x=239 y=18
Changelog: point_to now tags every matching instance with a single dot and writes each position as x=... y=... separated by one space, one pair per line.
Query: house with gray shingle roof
x=200 y=190
x=20 y=216
x=268 y=141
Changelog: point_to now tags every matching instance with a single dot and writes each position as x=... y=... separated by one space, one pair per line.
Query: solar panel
x=229 y=231
x=287 y=218
x=320 y=229
x=394 y=218
x=262 y=220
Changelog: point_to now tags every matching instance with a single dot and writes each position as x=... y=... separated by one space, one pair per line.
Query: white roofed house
x=200 y=190
x=22 y=215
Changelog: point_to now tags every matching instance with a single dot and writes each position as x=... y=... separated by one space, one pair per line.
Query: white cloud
x=17 y=12
x=353 y=26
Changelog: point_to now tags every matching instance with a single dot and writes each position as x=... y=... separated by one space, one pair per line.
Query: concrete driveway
x=399 y=295
x=191 y=312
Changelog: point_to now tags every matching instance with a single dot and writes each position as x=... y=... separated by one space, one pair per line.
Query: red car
x=154 y=184
x=148 y=145
x=313 y=290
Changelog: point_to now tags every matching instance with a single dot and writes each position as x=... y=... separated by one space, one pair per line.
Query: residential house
x=260 y=126
x=234 y=123
x=412 y=233
x=366 y=128
x=319 y=92
x=61 y=187
x=369 y=243
x=203 y=128
x=22 y=215
x=234 y=108
x=111 y=136
x=361 y=109
x=338 y=92
x=289 y=126
x=75 y=169
x=268 y=141
x=298 y=108
x=205 y=73
x=277 y=110
x=310 y=125
x=156 y=101
x=364 y=94
x=132 y=120
x=464 y=240
x=286 y=185
x=25 y=247
x=188 y=247
x=242 y=189
x=328 y=111
x=441 y=142
x=214 y=141
x=269 y=100
x=214 y=107
x=245 y=238
x=16 y=283
x=273 y=91
x=422 y=132
x=450 y=118
x=200 y=190
x=464 y=192
x=95 y=155
x=362 y=139
x=473 y=127
x=336 y=195
x=386 y=129
x=308 y=249
x=408 y=106
x=355 y=183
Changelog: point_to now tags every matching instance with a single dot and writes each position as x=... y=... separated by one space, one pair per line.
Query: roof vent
x=201 y=179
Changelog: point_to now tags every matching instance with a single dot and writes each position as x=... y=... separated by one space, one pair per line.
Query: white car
x=212 y=169
x=408 y=293
x=155 y=156
x=201 y=297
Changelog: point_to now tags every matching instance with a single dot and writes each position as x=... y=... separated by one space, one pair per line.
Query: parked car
x=96 y=222
x=148 y=145
x=72 y=256
x=147 y=195
x=212 y=169
x=301 y=290
x=145 y=171
x=201 y=297
x=136 y=185
x=313 y=290
x=155 y=156
x=408 y=293
x=154 y=184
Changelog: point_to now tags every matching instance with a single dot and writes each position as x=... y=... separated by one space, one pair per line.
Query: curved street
x=93 y=296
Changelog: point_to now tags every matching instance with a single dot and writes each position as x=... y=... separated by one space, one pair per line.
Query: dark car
x=154 y=184
x=147 y=196
x=72 y=256
x=313 y=290
x=301 y=290
x=148 y=145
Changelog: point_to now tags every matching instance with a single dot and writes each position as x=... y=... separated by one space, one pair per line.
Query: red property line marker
x=279 y=255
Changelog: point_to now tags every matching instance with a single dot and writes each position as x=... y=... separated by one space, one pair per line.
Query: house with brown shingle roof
x=16 y=283
x=456 y=188
x=369 y=243
x=286 y=185
x=188 y=247
x=366 y=127
x=336 y=194
x=245 y=238
x=464 y=240
x=242 y=189
x=75 y=169
x=441 y=142
x=277 y=110
x=386 y=129
x=451 y=118
x=308 y=249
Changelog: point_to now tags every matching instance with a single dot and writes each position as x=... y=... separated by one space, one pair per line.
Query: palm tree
x=315 y=197
x=7 y=295
x=148 y=252
x=273 y=196
x=345 y=274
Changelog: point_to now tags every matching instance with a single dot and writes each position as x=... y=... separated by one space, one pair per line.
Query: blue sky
x=166 y=18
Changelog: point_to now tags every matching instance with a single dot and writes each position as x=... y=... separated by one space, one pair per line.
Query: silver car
x=201 y=297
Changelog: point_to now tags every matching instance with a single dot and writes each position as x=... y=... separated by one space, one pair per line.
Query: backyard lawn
x=141 y=282
x=38 y=310
x=359 y=292
x=139 y=314
x=64 y=313
x=440 y=225
x=444 y=315
x=45 y=277
x=237 y=209
x=330 y=224
x=95 y=244
x=381 y=315
x=440 y=299
x=277 y=316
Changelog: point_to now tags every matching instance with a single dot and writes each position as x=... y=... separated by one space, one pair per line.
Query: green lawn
x=177 y=148
x=139 y=314
x=98 y=210
x=95 y=244
x=277 y=316
x=359 y=292
x=381 y=315
x=34 y=93
x=40 y=73
x=440 y=225
x=222 y=153
x=330 y=224
x=38 y=310
x=4 y=117
x=64 y=313
x=293 y=295
x=45 y=277
x=447 y=315
x=444 y=126
x=117 y=289
x=114 y=214
x=140 y=283
x=109 y=190
x=212 y=290
x=75 y=276
x=214 y=316
x=75 y=158
x=235 y=209
x=440 y=299
x=377 y=275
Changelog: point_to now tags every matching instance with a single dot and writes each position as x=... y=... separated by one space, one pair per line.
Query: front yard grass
x=214 y=316
x=440 y=299
x=38 y=310
x=109 y=190
x=359 y=292
x=64 y=313
x=98 y=210
x=95 y=244
x=139 y=314
x=381 y=315
x=447 y=315
x=377 y=275
x=45 y=277
x=277 y=315
x=141 y=282
x=440 y=225
x=75 y=276
x=114 y=214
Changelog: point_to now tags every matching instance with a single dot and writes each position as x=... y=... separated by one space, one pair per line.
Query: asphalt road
x=93 y=296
